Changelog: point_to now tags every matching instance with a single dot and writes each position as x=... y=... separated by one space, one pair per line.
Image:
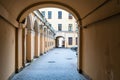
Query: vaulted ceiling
x=88 y=11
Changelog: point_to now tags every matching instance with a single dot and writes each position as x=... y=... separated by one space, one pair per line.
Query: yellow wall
x=7 y=49
x=101 y=50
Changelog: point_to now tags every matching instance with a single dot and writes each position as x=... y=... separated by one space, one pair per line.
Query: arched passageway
x=98 y=25
x=60 y=41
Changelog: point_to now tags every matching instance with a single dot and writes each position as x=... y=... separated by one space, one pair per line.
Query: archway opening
x=60 y=42
x=47 y=40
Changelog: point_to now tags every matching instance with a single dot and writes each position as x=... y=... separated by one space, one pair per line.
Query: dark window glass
x=59 y=14
x=59 y=27
x=70 y=40
x=49 y=14
x=70 y=16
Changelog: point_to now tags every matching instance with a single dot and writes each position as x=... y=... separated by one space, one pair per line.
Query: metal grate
x=56 y=53
x=51 y=61
x=69 y=58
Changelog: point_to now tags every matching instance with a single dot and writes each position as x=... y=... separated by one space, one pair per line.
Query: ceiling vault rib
x=105 y=2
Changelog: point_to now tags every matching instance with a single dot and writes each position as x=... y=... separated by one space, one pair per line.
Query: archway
x=60 y=41
x=35 y=6
x=101 y=32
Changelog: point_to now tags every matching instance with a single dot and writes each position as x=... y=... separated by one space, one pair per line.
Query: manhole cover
x=51 y=61
x=69 y=58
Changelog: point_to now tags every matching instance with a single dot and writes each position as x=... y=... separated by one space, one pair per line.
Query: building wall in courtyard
x=64 y=21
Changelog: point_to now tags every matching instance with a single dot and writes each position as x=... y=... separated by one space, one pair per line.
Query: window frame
x=70 y=26
x=49 y=14
x=70 y=16
x=59 y=27
x=59 y=14
x=70 y=41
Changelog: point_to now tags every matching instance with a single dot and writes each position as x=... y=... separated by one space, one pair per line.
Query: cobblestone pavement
x=57 y=64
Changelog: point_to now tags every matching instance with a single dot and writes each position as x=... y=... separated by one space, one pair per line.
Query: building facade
x=39 y=36
x=64 y=24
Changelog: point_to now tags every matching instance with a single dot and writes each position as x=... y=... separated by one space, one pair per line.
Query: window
x=43 y=13
x=59 y=27
x=59 y=14
x=49 y=14
x=76 y=40
x=70 y=27
x=77 y=28
x=50 y=25
x=70 y=16
x=70 y=40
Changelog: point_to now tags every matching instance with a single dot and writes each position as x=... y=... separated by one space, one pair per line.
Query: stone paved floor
x=57 y=64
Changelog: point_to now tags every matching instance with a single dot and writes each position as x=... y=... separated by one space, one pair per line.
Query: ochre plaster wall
x=101 y=50
x=7 y=49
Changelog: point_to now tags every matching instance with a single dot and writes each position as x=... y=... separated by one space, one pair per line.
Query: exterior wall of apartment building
x=58 y=17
